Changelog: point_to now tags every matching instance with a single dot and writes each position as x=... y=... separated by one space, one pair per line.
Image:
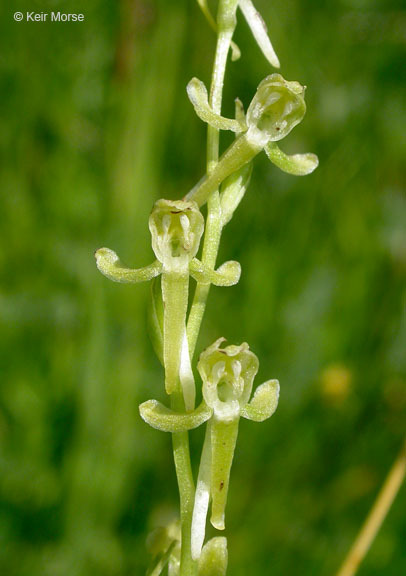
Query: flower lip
x=176 y=228
x=277 y=107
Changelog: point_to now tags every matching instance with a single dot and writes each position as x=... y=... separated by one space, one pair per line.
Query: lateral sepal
x=264 y=402
x=163 y=418
x=228 y=274
x=296 y=164
x=111 y=266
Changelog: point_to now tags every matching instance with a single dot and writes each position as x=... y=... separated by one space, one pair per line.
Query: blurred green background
x=95 y=126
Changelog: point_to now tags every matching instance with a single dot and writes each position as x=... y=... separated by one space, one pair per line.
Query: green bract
x=277 y=107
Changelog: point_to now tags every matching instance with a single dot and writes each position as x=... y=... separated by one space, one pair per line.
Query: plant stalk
x=376 y=516
x=226 y=22
x=181 y=456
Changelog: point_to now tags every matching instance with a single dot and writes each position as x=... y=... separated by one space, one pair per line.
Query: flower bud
x=214 y=558
x=176 y=228
x=277 y=107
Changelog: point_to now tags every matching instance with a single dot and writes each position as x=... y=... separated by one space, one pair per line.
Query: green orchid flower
x=176 y=228
x=277 y=107
x=227 y=375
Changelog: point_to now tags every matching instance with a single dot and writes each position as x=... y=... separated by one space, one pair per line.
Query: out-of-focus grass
x=95 y=127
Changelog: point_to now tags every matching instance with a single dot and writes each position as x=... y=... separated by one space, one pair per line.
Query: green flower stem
x=210 y=249
x=226 y=22
x=188 y=567
x=175 y=296
x=181 y=455
x=241 y=151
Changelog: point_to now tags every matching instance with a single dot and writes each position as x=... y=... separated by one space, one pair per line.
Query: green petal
x=162 y=418
x=298 y=164
x=228 y=274
x=214 y=558
x=109 y=264
x=263 y=403
x=198 y=96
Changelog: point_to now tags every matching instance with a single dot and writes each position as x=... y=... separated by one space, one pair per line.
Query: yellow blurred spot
x=335 y=383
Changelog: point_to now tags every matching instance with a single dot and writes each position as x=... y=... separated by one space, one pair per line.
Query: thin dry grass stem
x=376 y=516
